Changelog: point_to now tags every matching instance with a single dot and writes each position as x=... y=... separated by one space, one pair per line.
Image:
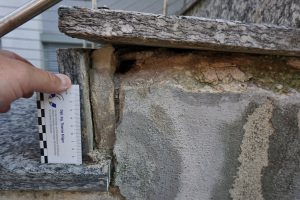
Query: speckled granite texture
x=20 y=167
x=133 y=28
x=18 y=130
x=278 y=12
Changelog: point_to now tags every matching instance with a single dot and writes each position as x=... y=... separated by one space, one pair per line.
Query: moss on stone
x=274 y=73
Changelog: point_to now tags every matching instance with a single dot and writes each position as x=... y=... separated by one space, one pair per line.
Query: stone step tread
x=135 y=28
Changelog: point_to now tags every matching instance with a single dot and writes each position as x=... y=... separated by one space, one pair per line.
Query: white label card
x=59 y=127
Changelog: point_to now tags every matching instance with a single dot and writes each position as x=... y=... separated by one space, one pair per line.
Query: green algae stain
x=274 y=73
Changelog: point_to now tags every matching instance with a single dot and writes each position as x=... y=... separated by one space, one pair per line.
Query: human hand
x=19 y=78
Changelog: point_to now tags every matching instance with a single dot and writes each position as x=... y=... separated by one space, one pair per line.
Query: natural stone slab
x=103 y=96
x=76 y=64
x=119 y=27
x=112 y=194
x=20 y=167
x=68 y=178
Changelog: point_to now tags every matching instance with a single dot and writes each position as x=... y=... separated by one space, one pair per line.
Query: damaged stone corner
x=104 y=58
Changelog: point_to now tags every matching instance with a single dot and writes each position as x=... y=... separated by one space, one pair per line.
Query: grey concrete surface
x=176 y=144
x=207 y=125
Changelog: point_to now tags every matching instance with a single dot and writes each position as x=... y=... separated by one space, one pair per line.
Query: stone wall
x=189 y=124
x=199 y=125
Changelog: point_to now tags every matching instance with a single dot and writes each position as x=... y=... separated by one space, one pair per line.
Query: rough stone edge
x=55 y=182
x=120 y=27
x=102 y=97
x=75 y=64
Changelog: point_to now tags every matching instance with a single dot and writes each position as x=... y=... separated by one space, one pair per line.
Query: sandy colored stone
x=104 y=58
x=102 y=96
x=212 y=71
x=294 y=62
x=238 y=74
x=209 y=75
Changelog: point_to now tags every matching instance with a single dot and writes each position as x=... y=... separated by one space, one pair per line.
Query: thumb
x=47 y=82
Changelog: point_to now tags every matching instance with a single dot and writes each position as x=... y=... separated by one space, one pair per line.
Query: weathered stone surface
x=277 y=12
x=112 y=194
x=119 y=27
x=208 y=71
x=76 y=64
x=102 y=96
x=196 y=124
x=193 y=123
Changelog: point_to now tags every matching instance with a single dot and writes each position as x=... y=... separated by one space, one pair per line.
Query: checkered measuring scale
x=59 y=127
